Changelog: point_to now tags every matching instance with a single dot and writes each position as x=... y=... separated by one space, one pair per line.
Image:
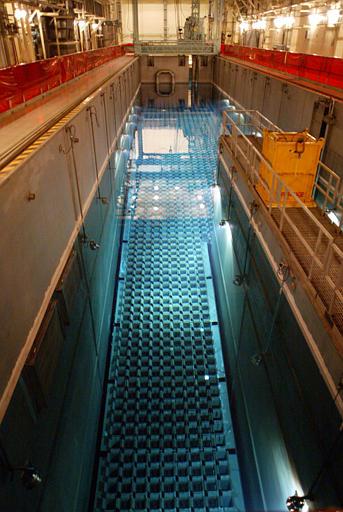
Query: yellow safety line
x=38 y=142
x=51 y=131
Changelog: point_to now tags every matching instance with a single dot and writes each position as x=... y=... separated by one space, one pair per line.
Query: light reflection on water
x=176 y=137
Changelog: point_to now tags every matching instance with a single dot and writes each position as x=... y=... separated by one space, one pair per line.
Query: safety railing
x=176 y=47
x=329 y=185
x=19 y=84
x=327 y=188
x=251 y=122
x=324 y=70
x=319 y=256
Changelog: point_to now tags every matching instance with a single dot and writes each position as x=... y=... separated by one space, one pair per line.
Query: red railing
x=324 y=70
x=21 y=83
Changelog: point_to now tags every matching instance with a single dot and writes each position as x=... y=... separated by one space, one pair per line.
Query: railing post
x=319 y=238
x=271 y=193
x=283 y=209
x=253 y=163
x=235 y=139
x=338 y=284
x=329 y=191
x=324 y=250
x=328 y=258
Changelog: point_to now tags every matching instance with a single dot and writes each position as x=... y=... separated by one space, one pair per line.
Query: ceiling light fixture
x=284 y=21
x=259 y=25
x=20 y=14
x=82 y=24
x=315 y=18
x=295 y=503
x=279 y=22
x=289 y=21
x=333 y=15
x=244 y=26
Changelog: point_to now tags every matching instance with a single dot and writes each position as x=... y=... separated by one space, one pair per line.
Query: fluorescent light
x=20 y=14
x=333 y=16
x=284 y=21
x=279 y=22
x=259 y=25
x=82 y=24
x=289 y=21
x=244 y=26
x=314 y=19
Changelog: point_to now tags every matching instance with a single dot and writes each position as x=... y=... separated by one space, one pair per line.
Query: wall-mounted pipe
x=121 y=158
x=133 y=118
x=130 y=129
x=126 y=142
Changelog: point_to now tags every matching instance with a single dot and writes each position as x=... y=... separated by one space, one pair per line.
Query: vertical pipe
x=41 y=33
x=57 y=38
x=92 y=112
x=120 y=20
x=165 y=20
x=135 y=21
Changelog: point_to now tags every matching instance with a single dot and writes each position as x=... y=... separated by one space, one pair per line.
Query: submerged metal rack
x=168 y=440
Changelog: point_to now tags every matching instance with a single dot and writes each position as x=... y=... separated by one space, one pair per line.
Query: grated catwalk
x=167 y=442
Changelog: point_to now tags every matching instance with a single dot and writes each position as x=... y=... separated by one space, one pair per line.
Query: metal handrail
x=177 y=46
x=324 y=253
x=327 y=182
x=259 y=119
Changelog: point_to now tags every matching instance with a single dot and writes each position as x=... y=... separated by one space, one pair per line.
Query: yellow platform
x=294 y=157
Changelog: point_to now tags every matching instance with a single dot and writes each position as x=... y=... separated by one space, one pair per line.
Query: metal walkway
x=167 y=439
x=19 y=129
x=312 y=239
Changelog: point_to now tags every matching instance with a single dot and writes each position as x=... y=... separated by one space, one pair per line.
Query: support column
x=135 y=21
x=165 y=20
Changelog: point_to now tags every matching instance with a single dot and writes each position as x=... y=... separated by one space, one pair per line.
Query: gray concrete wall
x=206 y=67
x=151 y=65
x=321 y=39
x=38 y=234
x=290 y=107
x=283 y=430
x=78 y=198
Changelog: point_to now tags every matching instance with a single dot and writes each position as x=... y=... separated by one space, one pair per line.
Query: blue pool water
x=167 y=441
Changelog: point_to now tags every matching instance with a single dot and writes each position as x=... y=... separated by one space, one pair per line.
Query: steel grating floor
x=310 y=233
x=309 y=230
x=167 y=439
